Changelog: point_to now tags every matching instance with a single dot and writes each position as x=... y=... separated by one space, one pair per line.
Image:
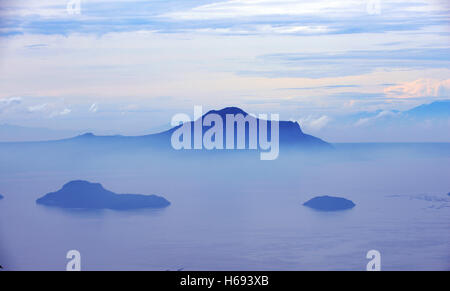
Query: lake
x=234 y=212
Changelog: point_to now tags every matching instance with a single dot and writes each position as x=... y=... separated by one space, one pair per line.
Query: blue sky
x=128 y=66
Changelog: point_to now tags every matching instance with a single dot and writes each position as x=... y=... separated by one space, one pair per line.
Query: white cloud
x=326 y=8
x=6 y=103
x=37 y=108
x=65 y=111
x=50 y=109
x=368 y=120
x=265 y=29
x=252 y=8
x=311 y=123
x=48 y=8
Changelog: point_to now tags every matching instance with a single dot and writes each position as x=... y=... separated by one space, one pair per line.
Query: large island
x=86 y=195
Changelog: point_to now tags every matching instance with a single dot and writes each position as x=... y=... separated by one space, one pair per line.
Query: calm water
x=236 y=213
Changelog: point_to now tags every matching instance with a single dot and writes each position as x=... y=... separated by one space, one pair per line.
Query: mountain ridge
x=290 y=134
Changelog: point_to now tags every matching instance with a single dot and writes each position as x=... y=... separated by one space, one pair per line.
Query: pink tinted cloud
x=419 y=88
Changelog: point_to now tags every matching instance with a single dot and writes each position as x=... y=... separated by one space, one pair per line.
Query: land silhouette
x=85 y=195
x=329 y=203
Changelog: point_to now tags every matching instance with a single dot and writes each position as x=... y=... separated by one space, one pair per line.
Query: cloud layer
x=420 y=88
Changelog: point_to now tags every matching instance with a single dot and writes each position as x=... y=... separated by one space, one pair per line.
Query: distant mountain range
x=434 y=110
x=438 y=109
x=15 y=133
x=346 y=127
x=290 y=135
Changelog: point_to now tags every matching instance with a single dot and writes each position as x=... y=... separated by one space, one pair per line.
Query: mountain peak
x=81 y=184
x=228 y=110
x=87 y=135
x=439 y=108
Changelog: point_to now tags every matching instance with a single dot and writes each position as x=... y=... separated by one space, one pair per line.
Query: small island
x=329 y=203
x=85 y=195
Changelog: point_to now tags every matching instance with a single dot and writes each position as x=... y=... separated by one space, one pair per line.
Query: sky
x=126 y=67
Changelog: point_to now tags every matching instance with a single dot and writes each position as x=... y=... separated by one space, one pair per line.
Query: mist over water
x=230 y=210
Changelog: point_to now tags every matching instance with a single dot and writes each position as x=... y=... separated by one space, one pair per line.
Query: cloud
x=379 y=115
x=310 y=17
x=65 y=111
x=233 y=16
x=312 y=123
x=321 y=87
x=238 y=8
x=50 y=109
x=425 y=54
x=6 y=103
x=347 y=63
x=37 y=108
x=36 y=46
x=234 y=9
x=419 y=88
